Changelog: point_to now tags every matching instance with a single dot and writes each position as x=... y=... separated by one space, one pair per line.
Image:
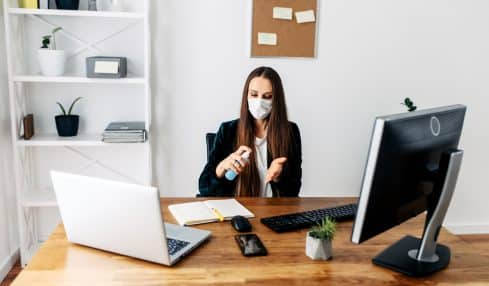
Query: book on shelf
x=43 y=4
x=125 y=132
x=28 y=4
x=125 y=126
x=28 y=124
x=208 y=211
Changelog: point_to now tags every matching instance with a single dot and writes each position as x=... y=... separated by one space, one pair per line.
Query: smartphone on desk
x=250 y=245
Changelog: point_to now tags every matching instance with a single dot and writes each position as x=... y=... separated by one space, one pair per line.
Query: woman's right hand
x=233 y=162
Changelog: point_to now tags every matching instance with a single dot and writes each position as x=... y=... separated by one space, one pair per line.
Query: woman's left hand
x=275 y=169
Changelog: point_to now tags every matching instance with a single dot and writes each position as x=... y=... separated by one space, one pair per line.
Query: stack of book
x=125 y=132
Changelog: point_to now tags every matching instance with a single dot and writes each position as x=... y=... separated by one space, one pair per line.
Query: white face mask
x=259 y=108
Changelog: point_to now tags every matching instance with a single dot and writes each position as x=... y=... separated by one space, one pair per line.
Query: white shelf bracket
x=31 y=227
x=103 y=165
x=94 y=44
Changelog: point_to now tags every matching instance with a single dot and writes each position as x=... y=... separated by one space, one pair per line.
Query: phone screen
x=250 y=245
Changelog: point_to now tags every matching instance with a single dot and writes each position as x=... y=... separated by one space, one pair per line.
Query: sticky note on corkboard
x=293 y=39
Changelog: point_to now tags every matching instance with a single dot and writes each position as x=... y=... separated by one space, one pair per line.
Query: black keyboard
x=175 y=245
x=289 y=222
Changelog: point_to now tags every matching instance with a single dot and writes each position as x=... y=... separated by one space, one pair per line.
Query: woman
x=274 y=166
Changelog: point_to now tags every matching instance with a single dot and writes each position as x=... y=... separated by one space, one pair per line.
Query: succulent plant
x=409 y=104
x=46 y=40
x=325 y=230
x=71 y=106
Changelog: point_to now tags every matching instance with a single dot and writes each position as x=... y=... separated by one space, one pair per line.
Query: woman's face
x=260 y=87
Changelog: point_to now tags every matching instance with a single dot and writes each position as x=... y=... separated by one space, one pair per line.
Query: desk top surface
x=59 y=262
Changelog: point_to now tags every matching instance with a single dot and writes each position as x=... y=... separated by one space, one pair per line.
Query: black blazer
x=225 y=143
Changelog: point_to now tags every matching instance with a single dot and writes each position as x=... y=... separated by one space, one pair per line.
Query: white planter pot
x=52 y=62
x=318 y=249
x=110 y=5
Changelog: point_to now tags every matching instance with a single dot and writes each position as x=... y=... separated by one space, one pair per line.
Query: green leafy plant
x=71 y=106
x=325 y=230
x=46 y=40
x=409 y=104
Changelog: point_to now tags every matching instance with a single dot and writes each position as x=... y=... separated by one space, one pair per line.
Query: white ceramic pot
x=52 y=62
x=110 y=5
x=318 y=249
x=103 y=5
x=117 y=6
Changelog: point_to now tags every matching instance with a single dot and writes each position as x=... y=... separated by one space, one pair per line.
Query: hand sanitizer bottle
x=230 y=174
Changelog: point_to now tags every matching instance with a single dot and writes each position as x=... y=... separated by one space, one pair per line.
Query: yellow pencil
x=218 y=214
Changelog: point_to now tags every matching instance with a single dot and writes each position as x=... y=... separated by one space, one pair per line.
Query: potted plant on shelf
x=67 y=124
x=51 y=60
x=319 y=240
x=110 y=5
x=67 y=4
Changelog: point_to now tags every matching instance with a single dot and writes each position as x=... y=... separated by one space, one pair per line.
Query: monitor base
x=396 y=258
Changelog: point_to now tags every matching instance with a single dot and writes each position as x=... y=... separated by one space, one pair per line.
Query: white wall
x=371 y=54
x=8 y=217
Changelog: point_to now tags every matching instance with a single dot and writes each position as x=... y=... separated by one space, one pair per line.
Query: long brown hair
x=278 y=131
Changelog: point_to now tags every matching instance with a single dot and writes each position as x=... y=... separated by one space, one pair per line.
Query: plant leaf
x=46 y=40
x=53 y=47
x=61 y=107
x=57 y=29
x=73 y=104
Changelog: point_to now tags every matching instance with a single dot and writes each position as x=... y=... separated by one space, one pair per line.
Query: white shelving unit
x=85 y=33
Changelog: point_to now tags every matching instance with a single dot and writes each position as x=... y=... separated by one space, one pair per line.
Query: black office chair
x=209 y=142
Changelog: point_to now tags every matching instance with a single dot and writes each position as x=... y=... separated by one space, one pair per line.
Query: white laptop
x=121 y=218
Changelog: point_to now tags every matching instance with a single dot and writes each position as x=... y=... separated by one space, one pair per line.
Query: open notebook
x=208 y=211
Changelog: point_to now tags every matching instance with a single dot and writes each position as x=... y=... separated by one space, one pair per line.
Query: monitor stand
x=420 y=257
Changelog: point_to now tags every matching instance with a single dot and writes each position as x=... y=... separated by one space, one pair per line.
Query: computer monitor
x=412 y=167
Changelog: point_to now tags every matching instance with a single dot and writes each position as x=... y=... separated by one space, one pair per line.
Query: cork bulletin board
x=288 y=38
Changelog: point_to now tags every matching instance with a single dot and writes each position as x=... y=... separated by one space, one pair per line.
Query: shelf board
x=79 y=140
x=76 y=13
x=77 y=79
x=40 y=199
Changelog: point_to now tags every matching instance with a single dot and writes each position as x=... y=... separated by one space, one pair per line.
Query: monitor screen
x=403 y=159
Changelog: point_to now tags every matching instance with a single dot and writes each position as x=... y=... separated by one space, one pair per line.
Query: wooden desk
x=59 y=262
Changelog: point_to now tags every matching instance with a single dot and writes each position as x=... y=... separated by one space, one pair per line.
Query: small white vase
x=110 y=5
x=318 y=249
x=117 y=6
x=103 y=5
x=52 y=62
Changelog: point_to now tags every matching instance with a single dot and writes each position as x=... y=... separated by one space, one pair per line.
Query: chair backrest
x=209 y=140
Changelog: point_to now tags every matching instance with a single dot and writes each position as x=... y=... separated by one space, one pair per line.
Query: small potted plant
x=409 y=104
x=67 y=4
x=51 y=60
x=319 y=240
x=67 y=124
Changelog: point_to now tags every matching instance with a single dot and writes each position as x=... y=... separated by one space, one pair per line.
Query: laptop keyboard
x=175 y=245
